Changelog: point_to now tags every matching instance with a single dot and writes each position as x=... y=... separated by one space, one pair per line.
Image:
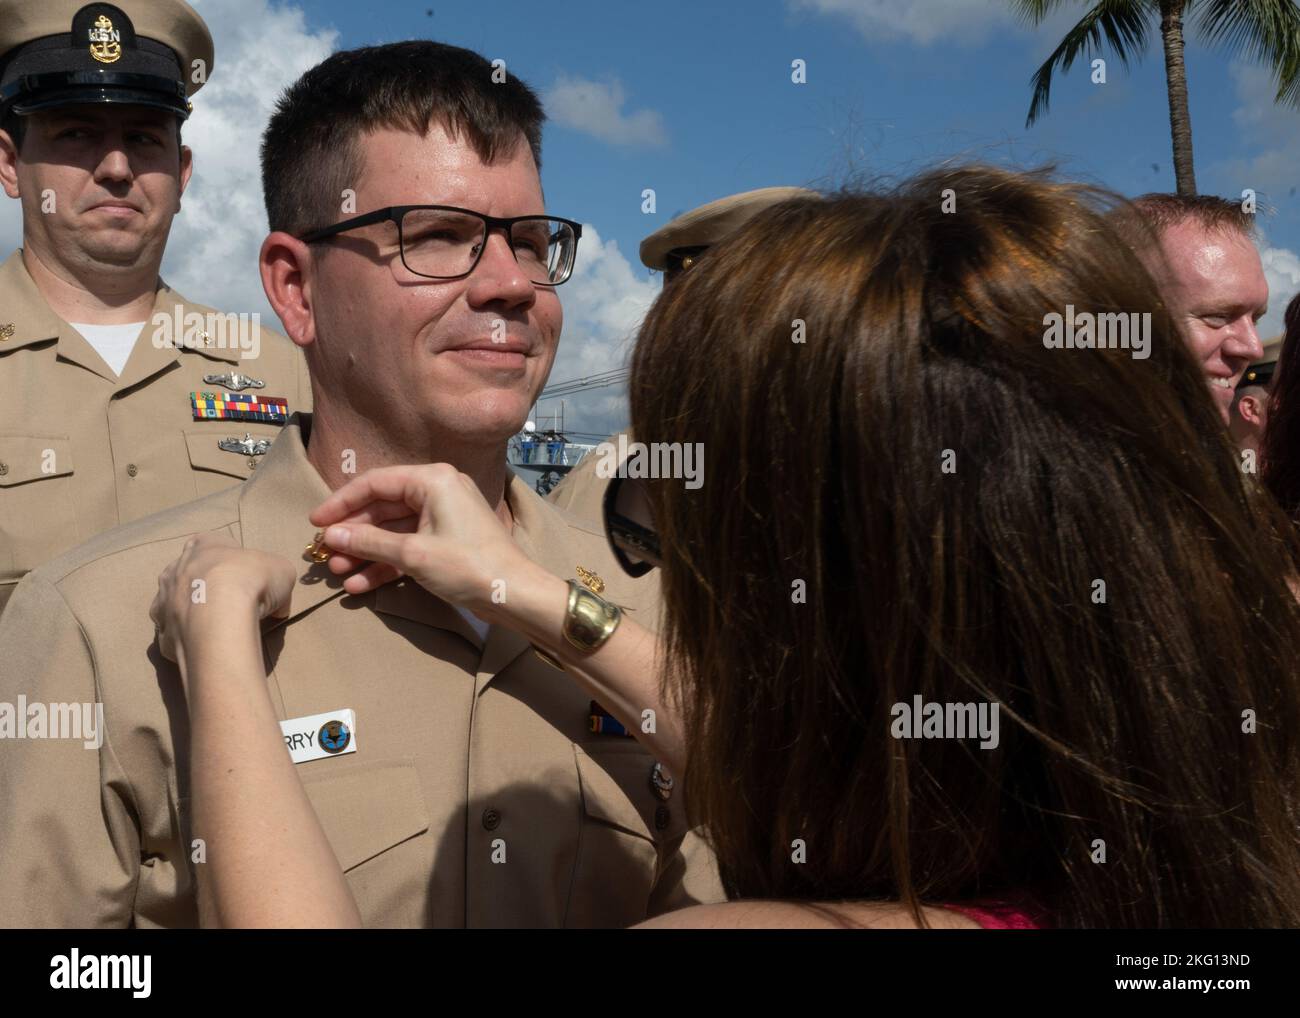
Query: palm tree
x=1266 y=30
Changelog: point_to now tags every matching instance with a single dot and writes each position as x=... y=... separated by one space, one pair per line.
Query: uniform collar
x=274 y=505
x=32 y=322
x=273 y=508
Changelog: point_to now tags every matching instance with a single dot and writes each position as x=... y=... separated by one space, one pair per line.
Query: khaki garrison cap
x=699 y=228
x=64 y=52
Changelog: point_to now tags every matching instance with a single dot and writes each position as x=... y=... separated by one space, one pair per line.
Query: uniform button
x=132 y=469
x=491 y=819
x=662 y=816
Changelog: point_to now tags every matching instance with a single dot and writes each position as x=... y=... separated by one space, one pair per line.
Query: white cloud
x=604 y=304
x=1272 y=133
x=920 y=21
x=596 y=108
x=1282 y=269
x=212 y=253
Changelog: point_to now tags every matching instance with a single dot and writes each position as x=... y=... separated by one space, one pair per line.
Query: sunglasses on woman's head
x=629 y=526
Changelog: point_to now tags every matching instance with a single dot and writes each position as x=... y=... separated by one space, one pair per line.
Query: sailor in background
x=1248 y=415
x=672 y=250
x=118 y=397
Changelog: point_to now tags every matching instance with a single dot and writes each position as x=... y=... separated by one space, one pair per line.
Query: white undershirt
x=112 y=342
x=477 y=623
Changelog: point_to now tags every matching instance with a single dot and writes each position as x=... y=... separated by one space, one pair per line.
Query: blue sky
x=716 y=77
x=695 y=100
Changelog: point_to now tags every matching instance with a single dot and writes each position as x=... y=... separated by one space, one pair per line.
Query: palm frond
x=1121 y=24
x=1266 y=31
x=1032 y=12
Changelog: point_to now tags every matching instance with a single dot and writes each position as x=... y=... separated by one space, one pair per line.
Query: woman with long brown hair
x=1280 y=450
x=916 y=508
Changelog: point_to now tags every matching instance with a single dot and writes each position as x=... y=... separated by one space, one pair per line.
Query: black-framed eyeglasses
x=635 y=545
x=446 y=242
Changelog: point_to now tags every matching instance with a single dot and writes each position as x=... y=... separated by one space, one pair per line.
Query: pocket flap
x=26 y=458
x=368 y=809
x=610 y=781
x=206 y=454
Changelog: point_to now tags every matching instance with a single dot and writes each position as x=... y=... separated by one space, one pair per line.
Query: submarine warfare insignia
x=247 y=446
x=234 y=381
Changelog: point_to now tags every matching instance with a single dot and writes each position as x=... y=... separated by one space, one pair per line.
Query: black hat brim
x=30 y=93
x=81 y=95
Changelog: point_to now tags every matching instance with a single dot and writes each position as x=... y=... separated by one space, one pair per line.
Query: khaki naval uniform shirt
x=83 y=450
x=582 y=490
x=467 y=750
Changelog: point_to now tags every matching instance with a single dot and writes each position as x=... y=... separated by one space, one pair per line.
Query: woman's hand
x=214 y=582
x=429 y=522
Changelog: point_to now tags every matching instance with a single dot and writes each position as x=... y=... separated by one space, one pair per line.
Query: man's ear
x=1251 y=409
x=286 y=264
x=187 y=169
x=9 y=165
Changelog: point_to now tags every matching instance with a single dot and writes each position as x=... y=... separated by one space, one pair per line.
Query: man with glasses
x=460 y=778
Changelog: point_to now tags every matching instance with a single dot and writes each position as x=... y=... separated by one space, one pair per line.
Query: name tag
x=320 y=735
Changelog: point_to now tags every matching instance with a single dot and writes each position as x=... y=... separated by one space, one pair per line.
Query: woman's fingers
x=375 y=544
x=384 y=484
x=374 y=575
x=340 y=563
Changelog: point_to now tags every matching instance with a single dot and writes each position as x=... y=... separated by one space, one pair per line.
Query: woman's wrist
x=215 y=632
x=532 y=602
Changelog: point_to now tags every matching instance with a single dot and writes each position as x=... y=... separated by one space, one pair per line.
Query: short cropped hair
x=1163 y=211
x=311 y=150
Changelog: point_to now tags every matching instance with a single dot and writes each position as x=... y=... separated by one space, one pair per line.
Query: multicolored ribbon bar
x=238 y=406
x=602 y=722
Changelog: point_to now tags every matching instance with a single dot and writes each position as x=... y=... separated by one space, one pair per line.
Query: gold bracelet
x=589 y=620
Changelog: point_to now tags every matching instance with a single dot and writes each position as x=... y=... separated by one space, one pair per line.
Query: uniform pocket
x=214 y=466
x=37 y=518
x=367 y=809
x=618 y=857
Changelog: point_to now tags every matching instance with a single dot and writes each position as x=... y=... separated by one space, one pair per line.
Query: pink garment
x=996 y=917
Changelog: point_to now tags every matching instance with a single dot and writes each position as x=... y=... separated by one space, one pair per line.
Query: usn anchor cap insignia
x=6 y=331
x=317 y=550
x=105 y=41
x=590 y=580
x=234 y=381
